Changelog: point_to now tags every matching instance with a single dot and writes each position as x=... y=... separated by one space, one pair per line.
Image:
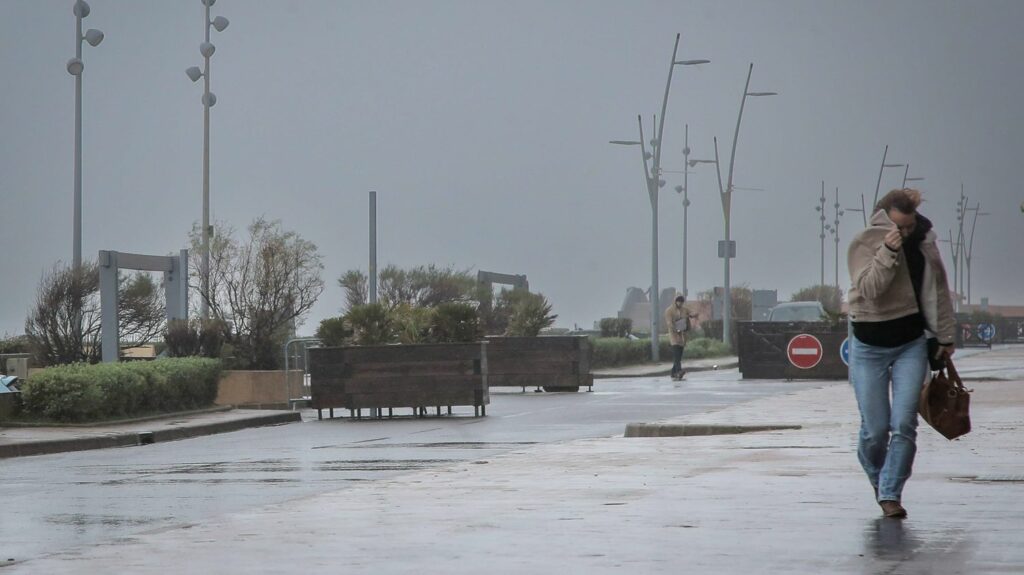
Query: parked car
x=797 y=311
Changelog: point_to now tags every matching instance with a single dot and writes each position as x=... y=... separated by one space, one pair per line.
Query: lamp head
x=220 y=23
x=207 y=49
x=209 y=99
x=81 y=9
x=75 y=67
x=93 y=37
x=209 y=3
x=194 y=73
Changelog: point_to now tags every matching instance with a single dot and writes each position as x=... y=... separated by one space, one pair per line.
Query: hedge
x=617 y=351
x=82 y=392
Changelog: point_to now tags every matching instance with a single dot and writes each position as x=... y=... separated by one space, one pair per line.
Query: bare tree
x=65 y=294
x=261 y=287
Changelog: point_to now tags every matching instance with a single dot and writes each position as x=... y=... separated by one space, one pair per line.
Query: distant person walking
x=677 y=321
x=902 y=313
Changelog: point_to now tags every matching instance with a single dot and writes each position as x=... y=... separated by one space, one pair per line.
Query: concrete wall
x=259 y=388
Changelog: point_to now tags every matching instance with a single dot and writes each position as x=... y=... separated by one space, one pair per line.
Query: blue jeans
x=888 y=433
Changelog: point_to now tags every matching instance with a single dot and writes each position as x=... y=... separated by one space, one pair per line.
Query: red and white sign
x=804 y=351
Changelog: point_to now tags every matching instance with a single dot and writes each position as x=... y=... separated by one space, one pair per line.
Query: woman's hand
x=893 y=239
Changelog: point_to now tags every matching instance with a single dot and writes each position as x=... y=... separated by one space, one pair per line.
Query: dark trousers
x=677 y=359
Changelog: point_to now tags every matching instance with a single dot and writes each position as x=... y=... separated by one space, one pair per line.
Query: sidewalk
x=665 y=367
x=789 y=501
x=22 y=441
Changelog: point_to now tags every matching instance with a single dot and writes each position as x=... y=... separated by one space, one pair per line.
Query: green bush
x=615 y=326
x=370 y=324
x=80 y=392
x=64 y=393
x=412 y=324
x=182 y=338
x=196 y=338
x=333 y=332
x=15 y=344
x=455 y=323
x=531 y=312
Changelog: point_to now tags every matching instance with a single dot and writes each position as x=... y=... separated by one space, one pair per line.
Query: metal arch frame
x=175 y=282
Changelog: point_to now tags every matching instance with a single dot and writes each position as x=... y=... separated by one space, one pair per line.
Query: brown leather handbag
x=946 y=403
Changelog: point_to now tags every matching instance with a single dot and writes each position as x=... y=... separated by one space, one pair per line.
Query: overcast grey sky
x=484 y=127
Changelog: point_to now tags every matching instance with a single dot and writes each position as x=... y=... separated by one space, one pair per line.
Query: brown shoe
x=893 y=509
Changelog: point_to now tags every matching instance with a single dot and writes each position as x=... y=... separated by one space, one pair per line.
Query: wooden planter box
x=763 y=346
x=556 y=363
x=416 y=376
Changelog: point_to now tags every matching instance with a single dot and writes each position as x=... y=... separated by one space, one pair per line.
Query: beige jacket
x=881 y=289
x=672 y=314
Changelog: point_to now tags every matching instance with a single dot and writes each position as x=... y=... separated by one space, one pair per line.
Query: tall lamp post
x=685 y=191
x=206 y=49
x=652 y=177
x=969 y=245
x=728 y=250
x=880 y=169
x=820 y=208
x=909 y=179
x=834 y=230
x=75 y=67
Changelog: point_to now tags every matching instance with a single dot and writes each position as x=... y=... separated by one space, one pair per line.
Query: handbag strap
x=954 y=377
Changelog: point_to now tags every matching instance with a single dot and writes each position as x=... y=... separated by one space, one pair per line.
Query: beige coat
x=881 y=289
x=672 y=314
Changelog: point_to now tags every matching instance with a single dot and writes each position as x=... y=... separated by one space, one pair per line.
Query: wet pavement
x=108 y=494
x=785 y=501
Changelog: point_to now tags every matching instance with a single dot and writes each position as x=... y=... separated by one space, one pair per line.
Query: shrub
x=616 y=326
x=333 y=332
x=412 y=324
x=213 y=334
x=370 y=324
x=530 y=313
x=15 y=344
x=80 y=392
x=455 y=323
x=64 y=393
x=182 y=338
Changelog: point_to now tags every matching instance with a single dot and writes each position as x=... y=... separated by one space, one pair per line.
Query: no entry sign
x=804 y=351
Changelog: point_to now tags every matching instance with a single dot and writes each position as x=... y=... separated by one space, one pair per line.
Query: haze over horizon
x=484 y=128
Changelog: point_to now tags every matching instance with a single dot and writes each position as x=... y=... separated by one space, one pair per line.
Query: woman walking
x=899 y=300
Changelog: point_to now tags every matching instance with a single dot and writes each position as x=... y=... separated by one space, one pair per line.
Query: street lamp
x=834 y=230
x=685 y=190
x=652 y=177
x=862 y=210
x=728 y=249
x=75 y=67
x=911 y=179
x=820 y=208
x=879 y=183
x=206 y=49
x=970 y=245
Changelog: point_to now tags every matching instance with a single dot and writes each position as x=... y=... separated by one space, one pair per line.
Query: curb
x=690 y=430
x=663 y=372
x=128 y=439
x=108 y=423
